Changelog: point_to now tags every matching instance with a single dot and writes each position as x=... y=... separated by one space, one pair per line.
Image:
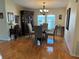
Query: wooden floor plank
x=24 y=48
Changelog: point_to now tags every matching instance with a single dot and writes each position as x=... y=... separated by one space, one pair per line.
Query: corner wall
x=71 y=34
x=7 y=6
x=11 y=6
x=3 y=23
x=76 y=50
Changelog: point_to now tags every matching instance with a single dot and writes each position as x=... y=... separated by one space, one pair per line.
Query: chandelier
x=43 y=10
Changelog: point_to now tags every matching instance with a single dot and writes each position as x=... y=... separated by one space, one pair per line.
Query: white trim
x=70 y=52
x=4 y=37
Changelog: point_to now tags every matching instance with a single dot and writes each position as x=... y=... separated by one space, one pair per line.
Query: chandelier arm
x=43 y=10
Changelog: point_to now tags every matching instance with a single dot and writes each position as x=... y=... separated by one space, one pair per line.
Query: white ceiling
x=35 y=4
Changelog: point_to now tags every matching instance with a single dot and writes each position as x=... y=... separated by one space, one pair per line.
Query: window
x=50 y=20
x=41 y=19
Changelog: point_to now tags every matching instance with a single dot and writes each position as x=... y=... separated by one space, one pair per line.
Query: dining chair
x=38 y=33
x=31 y=32
x=45 y=27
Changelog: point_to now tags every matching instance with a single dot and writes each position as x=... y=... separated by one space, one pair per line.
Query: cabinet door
x=26 y=17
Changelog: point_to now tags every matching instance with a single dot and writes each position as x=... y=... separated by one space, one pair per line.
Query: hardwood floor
x=24 y=48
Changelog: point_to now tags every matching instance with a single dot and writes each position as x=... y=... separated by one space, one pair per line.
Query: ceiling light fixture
x=43 y=10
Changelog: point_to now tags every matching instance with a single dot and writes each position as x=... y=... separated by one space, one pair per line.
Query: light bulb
x=41 y=10
x=47 y=11
x=44 y=10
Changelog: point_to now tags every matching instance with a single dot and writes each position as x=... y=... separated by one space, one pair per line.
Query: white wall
x=71 y=35
x=3 y=22
x=55 y=11
x=76 y=50
x=7 y=6
x=12 y=7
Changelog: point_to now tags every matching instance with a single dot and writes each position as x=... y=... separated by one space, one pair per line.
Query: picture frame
x=68 y=18
x=17 y=18
x=60 y=17
x=10 y=16
x=1 y=15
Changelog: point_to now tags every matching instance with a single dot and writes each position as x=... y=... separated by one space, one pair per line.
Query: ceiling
x=35 y=4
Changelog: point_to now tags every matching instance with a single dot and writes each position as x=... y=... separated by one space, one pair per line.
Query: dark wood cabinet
x=26 y=17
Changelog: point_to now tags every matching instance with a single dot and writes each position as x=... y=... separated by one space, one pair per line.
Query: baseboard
x=4 y=38
x=69 y=50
